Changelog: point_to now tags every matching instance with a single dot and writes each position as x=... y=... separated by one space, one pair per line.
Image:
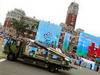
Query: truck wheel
x=11 y=56
x=52 y=68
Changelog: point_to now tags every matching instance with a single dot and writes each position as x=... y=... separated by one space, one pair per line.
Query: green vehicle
x=17 y=49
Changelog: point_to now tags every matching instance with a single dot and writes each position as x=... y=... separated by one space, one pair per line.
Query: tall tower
x=71 y=16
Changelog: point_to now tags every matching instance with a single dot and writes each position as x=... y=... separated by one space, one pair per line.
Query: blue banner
x=86 y=40
x=66 y=41
x=48 y=33
x=5 y=41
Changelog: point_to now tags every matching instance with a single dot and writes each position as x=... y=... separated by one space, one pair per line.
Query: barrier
x=78 y=62
x=95 y=68
x=1 y=40
x=88 y=64
x=81 y=64
x=84 y=64
x=99 y=69
x=73 y=61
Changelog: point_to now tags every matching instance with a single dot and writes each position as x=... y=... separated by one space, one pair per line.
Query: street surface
x=21 y=68
x=1 y=49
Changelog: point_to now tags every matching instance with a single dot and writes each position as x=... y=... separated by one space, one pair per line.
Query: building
x=78 y=31
x=33 y=26
x=1 y=28
x=69 y=24
x=72 y=16
x=19 y=14
x=13 y=14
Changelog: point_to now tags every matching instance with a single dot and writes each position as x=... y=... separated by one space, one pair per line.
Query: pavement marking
x=1 y=60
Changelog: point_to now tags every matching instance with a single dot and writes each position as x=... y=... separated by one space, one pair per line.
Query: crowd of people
x=66 y=52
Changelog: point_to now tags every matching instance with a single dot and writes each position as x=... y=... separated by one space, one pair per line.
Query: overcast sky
x=55 y=11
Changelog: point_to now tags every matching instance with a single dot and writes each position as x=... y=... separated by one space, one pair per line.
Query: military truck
x=38 y=54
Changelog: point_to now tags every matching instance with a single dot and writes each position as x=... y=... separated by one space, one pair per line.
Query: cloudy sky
x=55 y=11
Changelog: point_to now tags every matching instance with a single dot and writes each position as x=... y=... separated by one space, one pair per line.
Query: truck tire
x=52 y=68
x=11 y=56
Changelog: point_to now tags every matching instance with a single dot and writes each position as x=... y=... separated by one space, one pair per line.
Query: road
x=1 y=49
x=21 y=68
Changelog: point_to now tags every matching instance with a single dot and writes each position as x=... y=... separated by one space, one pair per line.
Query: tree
x=34 y=27
x=20 y=26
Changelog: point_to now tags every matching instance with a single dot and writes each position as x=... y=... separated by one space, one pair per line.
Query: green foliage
x=35 y=26
x=20 y=26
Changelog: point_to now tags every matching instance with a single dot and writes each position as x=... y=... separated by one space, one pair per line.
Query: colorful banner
x=88 y=45
x=30 y=49
x=48 y=33
x=3 y=41
x=66 y=41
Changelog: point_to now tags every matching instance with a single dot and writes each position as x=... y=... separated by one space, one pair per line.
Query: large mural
x=66 y=41
x=48 y=33
x=88 y=45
